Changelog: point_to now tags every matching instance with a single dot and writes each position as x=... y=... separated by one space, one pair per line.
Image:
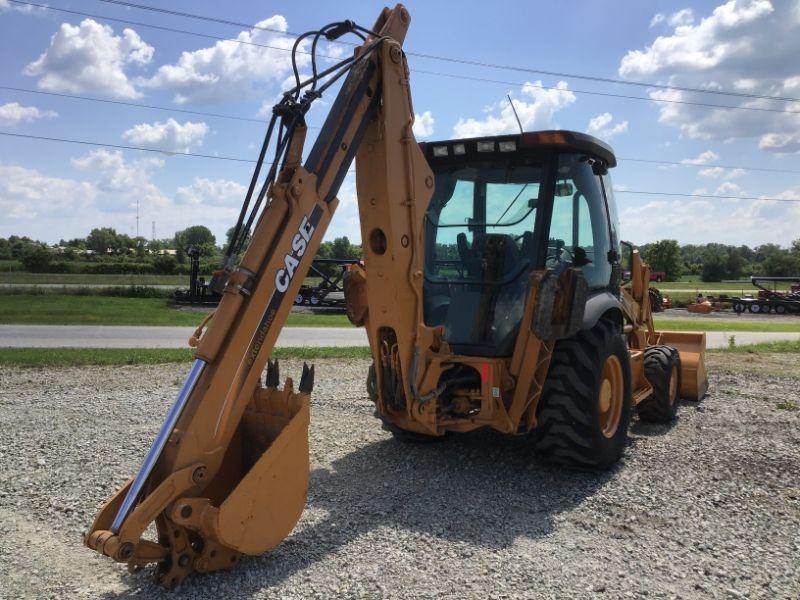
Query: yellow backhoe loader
x=491 y=292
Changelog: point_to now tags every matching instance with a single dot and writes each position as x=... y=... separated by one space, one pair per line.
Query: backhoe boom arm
x=228 y=472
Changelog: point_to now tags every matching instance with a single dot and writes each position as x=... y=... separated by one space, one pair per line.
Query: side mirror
x=560 y=304
x=564 y=189
x=626 y=265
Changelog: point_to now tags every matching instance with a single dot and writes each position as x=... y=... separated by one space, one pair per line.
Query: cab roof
x=552 y=139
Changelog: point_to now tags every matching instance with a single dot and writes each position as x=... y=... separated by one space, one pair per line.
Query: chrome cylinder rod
x=158 y=445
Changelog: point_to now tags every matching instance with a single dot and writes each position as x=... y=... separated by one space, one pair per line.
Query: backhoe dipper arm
x=228 y=471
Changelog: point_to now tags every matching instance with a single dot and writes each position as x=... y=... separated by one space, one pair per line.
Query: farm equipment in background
x=532 y=334
x=658 y=301
x=770 y=300
x=199 y=291
x=328 y=291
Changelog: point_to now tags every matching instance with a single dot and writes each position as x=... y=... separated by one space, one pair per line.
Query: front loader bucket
x=692 y=348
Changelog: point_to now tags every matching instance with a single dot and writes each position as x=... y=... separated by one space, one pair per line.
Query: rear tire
x=754 y=308
x=585 y=406
x=780 y=309
x=662 y=368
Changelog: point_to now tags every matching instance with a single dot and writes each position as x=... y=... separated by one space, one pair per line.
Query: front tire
x=585 y=407
x=662 y=368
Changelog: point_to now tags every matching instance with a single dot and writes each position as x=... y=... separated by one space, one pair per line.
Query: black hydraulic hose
x=292 y=109
x=257 y=171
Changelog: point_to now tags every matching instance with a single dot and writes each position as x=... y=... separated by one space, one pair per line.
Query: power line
x=469 y=62
x=606 y=94
x=123 y=147
x=247 y=160
x=138 y=105
x=763 y=199
x=132 y=104
x=706 y=166
x=416 y=71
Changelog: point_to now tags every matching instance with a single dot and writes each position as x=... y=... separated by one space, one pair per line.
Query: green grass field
x=780 y=347
x=53 y=309
x=83 y=357
x=723 y=325
x=744 y=286
x=89 y=279
x=20 y=309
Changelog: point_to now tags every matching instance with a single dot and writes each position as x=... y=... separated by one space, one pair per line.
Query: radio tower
x=153 y=232
x=137 y=217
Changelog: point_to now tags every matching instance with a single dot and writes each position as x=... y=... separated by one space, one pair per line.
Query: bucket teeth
x=307 y=379
x=273 y=374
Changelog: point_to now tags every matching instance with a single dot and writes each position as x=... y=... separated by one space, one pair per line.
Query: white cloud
x=13 y=113
x=698 y=47
x=783 y=143
x=28 y=9
x=169 y=136
x=725 y=51
x=124 y=182
x=230 y=69
x=728 y=188
x=217 y=192
x=423 y=125
x=657 y=18
x=90 y=58
x=721 y=172
x=536 y=113
x=682 y=17
x=601 y=126
x=711 y=172
x=704 y=158
x=26 y=194
x=736 y=221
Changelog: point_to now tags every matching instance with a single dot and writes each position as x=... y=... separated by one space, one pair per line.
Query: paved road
x=107 y=336
x=102 y=336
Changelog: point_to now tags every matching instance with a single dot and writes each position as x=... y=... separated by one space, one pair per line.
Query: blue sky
x=54 y=190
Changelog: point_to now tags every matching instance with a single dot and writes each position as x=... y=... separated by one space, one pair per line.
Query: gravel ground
x=706 y=508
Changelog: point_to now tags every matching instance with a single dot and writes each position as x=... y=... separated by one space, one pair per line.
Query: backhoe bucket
x=692 y=348
x=269 y=458
x=253 y=502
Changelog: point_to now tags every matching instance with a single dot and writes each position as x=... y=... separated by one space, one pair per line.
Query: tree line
x=105 y=251
x=718 y=262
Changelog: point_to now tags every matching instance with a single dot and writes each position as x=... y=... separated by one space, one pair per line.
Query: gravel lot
x=709 y=507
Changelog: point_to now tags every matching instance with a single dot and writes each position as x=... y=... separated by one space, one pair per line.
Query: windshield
x=480 y=247
x=473 y=205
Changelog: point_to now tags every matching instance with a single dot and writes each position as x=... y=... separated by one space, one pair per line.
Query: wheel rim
x=609 y=398
x=673 y=385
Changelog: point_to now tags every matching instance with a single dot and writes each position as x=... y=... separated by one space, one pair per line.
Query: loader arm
x=228 y=472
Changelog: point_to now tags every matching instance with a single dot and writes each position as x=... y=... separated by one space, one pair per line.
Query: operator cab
x=505 y=206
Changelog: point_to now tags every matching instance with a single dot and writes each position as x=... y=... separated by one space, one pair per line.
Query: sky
x=54 y=190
